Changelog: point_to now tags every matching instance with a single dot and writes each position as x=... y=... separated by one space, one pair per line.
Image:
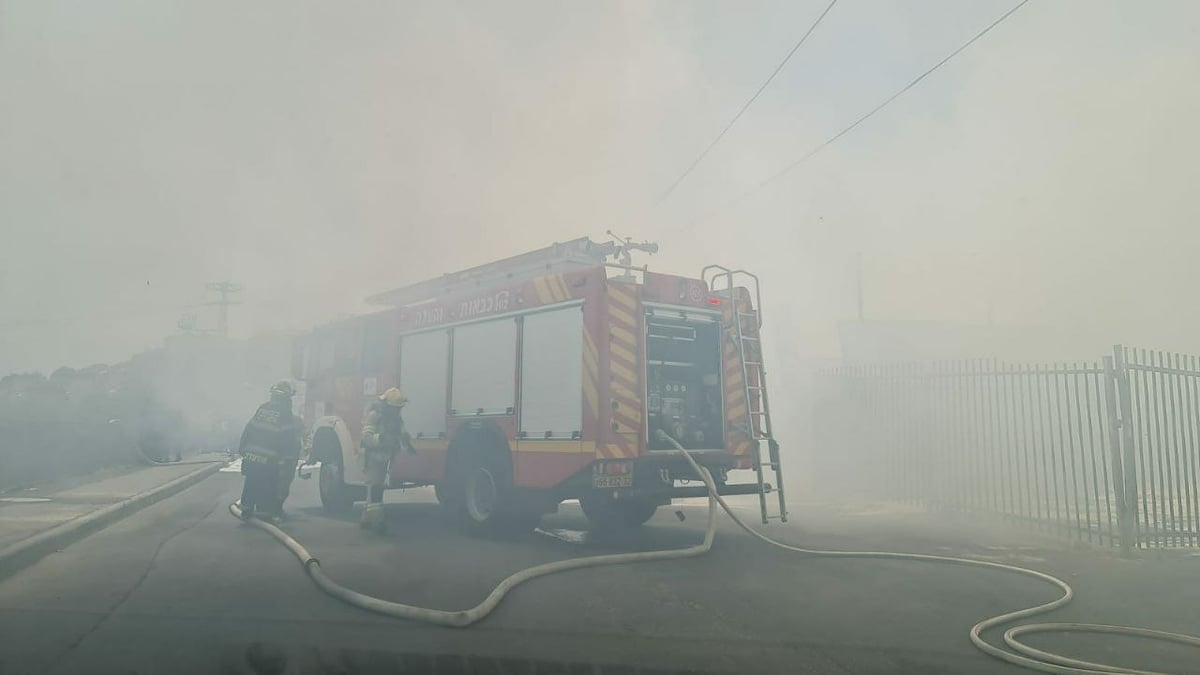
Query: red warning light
x=714 y=301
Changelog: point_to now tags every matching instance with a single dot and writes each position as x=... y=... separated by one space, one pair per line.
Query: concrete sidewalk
x=33 y=523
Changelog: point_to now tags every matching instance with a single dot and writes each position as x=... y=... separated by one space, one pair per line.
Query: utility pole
x=224 y=289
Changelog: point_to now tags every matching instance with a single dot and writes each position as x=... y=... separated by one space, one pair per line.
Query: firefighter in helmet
x=272 y=436
x=383 y=435
x=288 y=468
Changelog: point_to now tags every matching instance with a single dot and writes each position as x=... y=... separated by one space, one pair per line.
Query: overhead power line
x=833 y=139
x=745 y=106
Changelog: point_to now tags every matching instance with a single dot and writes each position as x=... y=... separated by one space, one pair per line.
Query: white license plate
x=605 y=482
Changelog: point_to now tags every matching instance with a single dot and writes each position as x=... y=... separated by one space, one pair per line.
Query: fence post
x=1120 y=438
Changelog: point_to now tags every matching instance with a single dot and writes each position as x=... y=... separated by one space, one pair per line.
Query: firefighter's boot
x=372 y=516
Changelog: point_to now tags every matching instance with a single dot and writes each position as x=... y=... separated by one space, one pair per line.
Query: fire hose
x=1022 y=654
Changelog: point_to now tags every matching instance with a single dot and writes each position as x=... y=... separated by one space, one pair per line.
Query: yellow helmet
x=393 y=397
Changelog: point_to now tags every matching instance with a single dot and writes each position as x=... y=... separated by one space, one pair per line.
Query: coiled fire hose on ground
x=1022 y=654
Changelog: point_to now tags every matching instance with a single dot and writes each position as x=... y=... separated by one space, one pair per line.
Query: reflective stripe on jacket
x=273 y=433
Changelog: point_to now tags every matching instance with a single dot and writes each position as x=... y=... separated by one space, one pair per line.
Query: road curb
x=28 y=551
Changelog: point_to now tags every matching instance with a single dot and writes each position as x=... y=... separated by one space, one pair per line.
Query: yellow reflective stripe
x=625 y=335
x=590 y=345
x=592 y=397
x=621 y=390
x=561 y=285
x=624 y=353
x=621 y=370
x=619 y=313
x=626 y=300
x=556 y=446
x=542 y=287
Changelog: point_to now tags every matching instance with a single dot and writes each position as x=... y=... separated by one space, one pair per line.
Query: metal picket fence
x=1104 y=451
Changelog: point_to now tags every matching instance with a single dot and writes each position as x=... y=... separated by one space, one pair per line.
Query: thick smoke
x=319 y=152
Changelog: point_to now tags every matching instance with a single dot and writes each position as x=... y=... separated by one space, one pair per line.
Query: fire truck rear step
x=701 y=491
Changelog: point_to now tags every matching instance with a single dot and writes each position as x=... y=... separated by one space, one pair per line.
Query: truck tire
x=607 y=513
x=481 y=492
x=446 y=497
x=337 y=497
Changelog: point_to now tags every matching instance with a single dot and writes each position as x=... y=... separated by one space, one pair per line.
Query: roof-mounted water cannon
x=623 y=252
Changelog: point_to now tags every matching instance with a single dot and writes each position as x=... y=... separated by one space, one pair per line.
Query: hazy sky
x=321 y=151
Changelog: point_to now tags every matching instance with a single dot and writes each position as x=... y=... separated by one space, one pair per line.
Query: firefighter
x=288 y=469
x=271 y=436
x=382 y=436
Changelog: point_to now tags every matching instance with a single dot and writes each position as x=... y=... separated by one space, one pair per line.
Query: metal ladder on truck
x=750 y=353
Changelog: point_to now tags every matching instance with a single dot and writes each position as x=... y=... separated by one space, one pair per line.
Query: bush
x=78 y=421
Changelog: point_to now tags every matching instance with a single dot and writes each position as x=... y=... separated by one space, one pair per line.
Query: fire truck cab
x=551 y=376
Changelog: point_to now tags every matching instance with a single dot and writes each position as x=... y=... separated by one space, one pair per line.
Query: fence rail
x=1104 y=451
x=1160 y=436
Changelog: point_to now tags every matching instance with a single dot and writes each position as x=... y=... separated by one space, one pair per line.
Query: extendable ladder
x=746 y=334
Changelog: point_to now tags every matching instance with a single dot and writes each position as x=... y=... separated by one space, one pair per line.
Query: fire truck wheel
x=604 y=512
x=484 y=496
x=336 y=496
x=481 y=495
x=444 y=495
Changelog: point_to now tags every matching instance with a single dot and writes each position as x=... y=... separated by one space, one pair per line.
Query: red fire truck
x=548 y=376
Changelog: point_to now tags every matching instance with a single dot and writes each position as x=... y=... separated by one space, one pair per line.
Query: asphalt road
x=182 y=587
